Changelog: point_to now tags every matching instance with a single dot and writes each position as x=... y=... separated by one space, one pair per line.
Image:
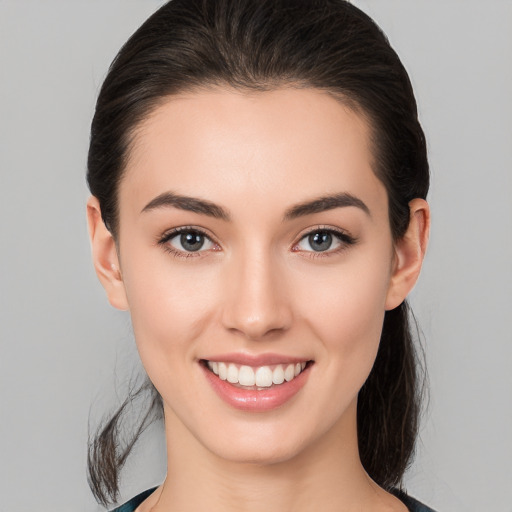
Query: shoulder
x=131 y=505
x=412 y=504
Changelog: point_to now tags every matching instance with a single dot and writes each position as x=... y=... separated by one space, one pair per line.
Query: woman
x=258 y=179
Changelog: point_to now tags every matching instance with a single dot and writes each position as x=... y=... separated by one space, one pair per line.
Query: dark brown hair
x=261 y=45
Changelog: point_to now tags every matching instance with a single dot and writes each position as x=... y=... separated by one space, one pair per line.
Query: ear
x=104 y=255
x=409 y=253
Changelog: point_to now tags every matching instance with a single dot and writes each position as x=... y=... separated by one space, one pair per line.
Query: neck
x=326 y=476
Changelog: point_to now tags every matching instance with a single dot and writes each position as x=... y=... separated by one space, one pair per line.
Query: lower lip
x=256 y=400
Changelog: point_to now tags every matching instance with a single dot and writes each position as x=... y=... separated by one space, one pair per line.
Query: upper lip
x=255 y=359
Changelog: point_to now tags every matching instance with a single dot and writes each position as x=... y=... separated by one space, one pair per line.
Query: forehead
x=273 y=145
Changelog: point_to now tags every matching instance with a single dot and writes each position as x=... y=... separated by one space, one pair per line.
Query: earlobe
x=409 y=254
x=104 y=255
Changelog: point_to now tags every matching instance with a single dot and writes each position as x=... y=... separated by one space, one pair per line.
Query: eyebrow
x=324 y=203
x=204 y=207
x=190 y=204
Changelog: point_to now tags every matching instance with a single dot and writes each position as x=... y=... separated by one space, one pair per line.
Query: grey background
x=63 y=348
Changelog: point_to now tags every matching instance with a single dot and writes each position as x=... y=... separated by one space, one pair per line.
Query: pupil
x=320 y=241
x=192 y=241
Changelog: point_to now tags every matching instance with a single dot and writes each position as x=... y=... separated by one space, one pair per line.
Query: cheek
x=170 y=305
x=346 y=313
x=350 y=298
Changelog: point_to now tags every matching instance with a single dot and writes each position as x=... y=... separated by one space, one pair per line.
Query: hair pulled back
x=262 y=45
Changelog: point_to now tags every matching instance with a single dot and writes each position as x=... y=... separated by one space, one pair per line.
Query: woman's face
x=254 y=244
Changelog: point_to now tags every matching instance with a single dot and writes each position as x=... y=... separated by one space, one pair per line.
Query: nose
x=256 y=304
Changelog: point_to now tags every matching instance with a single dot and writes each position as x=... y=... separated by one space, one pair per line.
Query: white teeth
x=289 y=373
x=246 y=376
x=223 y=371
x=232 y=374
x=264 y=377
x=261 y=377
x=278 y=375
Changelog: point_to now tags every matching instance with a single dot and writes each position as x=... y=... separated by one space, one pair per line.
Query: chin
x=272 y=442
x=261 y=452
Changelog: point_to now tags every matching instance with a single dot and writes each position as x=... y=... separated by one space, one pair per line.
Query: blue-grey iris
x=192 y=241
x=320 y=241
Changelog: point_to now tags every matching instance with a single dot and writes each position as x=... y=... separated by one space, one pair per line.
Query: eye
x=324 y=240
x=187 y=240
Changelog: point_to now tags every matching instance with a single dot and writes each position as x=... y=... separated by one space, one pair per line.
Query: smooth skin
x=257 y=285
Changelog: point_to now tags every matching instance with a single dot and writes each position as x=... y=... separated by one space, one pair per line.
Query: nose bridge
x=257 y=301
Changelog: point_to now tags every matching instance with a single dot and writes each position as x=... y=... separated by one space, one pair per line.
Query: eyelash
x=169 y=235
x=343 y=237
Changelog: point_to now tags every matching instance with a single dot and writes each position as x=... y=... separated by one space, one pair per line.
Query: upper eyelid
x=171 y=233
x=331 y=229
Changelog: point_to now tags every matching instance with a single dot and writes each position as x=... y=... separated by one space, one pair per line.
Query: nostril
x=268 y=323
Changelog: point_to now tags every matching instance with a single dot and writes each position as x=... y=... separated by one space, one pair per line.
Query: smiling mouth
x=256 y=378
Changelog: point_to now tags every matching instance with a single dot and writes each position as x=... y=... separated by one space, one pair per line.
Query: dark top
x=412 y=504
